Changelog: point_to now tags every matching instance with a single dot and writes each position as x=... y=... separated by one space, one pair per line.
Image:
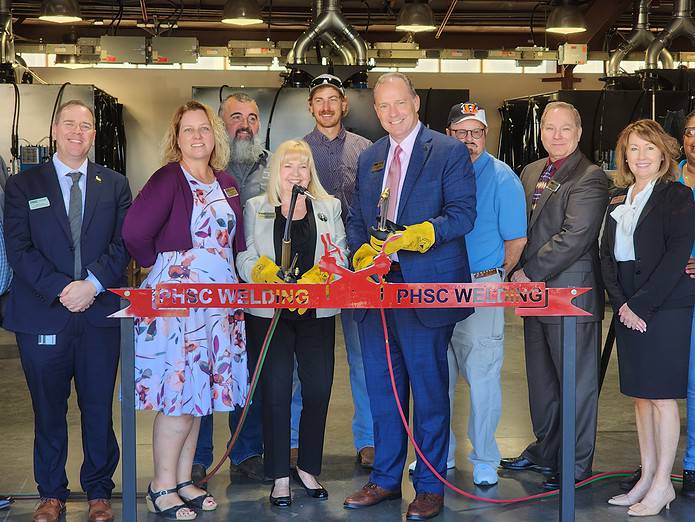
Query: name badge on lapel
x=617 y=200
x=266 y=215
x=37 y=203
x=376 y=167
x=553 y=185
x=230 y=192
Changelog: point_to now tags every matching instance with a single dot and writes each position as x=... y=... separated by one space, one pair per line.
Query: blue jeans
x=689 y=457
x=362 y=426
x=250 y=441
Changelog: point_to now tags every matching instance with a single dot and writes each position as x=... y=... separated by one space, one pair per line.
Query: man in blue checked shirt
x=5 y=270
x=335 y=151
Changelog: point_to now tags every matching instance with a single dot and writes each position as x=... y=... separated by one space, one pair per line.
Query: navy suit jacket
x=439 y=186
x=40 y=252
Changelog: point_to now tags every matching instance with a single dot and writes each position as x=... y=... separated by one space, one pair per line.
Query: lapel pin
x=98 y=179
x=322 y=216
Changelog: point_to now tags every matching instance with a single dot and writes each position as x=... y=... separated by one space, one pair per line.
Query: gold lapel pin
x=98 y=179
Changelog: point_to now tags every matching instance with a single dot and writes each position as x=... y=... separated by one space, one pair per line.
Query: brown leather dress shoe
x=365 y=457
x=49 y=510
x=425 y=505
x=369 y=495
x=100 y=510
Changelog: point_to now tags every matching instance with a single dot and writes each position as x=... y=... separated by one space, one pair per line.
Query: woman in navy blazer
x=646 y=242
x=307 y=335
x=186 y=224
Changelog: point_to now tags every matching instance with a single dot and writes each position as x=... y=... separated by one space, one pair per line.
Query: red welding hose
x=252 y=388
x=443 y=480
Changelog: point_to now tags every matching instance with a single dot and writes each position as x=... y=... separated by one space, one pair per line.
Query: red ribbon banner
x=348 y=289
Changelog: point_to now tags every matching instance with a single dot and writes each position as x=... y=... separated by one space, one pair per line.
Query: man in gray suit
x=566 y=198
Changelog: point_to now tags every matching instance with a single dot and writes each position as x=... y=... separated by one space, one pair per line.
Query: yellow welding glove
x=265 y=271
x=364 y=256
x=313 y=276
x=418 y=238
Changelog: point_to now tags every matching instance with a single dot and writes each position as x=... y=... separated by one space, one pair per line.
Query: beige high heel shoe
x=623 y=500
x=644 y=510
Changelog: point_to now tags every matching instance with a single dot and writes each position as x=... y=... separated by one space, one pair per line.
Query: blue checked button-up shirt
x=336 y=162
x=5 y=271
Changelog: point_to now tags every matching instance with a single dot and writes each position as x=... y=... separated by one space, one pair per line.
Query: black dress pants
x=312 y=342
x=543 y=350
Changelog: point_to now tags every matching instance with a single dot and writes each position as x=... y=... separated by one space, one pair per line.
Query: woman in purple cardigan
x=186 y=224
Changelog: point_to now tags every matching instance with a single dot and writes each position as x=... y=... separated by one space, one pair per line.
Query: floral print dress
x=196 y=364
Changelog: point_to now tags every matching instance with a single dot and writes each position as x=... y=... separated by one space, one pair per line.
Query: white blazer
x=259 y=223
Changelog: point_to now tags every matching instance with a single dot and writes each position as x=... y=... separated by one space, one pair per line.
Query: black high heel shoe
x=285 y=501
x=199 y=501
x=171 y=513
x=319 y=492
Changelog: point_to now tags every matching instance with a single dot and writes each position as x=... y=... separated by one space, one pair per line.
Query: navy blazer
x=40 y=251
x=663 y=239
x=439 y=187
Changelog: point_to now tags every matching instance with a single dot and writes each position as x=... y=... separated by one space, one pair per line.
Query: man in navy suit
x=63 y=233
x=432 y=193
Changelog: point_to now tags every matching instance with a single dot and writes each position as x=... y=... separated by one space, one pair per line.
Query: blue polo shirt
x=501 y=213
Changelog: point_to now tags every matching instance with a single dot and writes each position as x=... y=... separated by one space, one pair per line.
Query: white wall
x=151 y=96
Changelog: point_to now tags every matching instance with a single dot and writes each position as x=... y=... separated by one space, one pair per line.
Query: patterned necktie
x=75 y=218
x=393 y=181
x=542 y=183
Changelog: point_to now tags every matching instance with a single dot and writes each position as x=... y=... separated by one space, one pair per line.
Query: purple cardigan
x=159 y=220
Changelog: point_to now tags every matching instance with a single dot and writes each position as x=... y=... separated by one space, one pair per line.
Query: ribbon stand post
x=129 y=482
x=568 y=333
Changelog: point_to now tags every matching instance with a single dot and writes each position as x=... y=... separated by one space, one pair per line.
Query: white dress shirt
x=406 y=152
x=626 y=216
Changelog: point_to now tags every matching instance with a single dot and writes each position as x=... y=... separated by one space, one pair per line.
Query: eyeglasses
x=476 y=134
x=689 y=132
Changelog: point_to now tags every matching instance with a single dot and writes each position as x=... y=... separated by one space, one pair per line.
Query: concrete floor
x=241 y=499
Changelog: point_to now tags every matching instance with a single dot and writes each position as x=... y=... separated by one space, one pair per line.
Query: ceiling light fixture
x=565 y=18
x=241 y=12
x=416 y=17
x=60 y=11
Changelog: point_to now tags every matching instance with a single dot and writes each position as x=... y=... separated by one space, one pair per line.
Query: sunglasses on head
x=316 y=82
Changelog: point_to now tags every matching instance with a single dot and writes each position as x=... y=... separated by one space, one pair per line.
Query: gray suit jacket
x=562 y=247
x=259 y=222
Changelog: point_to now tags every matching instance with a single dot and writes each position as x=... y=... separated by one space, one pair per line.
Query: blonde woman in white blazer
x=308 y=335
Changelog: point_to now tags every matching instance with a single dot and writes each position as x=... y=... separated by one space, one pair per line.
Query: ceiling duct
x=640 y=39
x=6 y=36
x=681 y=24
x=330 y=26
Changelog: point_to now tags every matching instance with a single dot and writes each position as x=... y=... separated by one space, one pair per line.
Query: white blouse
x=627 y=216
